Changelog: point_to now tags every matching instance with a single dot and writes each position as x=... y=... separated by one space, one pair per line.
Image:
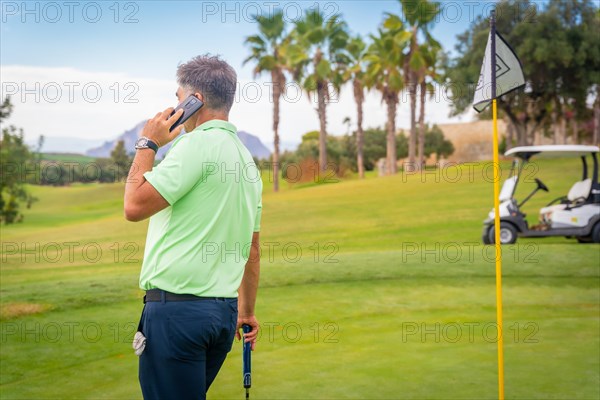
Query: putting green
x=370 y=289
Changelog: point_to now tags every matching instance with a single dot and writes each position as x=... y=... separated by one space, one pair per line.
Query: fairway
x=372 y=289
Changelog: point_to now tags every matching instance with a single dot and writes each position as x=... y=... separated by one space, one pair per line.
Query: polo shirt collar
x=217 y=124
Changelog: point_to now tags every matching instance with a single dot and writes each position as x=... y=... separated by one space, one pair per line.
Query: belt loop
x=163 y=296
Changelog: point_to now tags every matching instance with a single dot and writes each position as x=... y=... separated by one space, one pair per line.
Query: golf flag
x=501 y=73
x=509 y=74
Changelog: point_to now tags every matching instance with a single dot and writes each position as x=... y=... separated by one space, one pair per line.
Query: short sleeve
x=258 y=215
x=178 y=172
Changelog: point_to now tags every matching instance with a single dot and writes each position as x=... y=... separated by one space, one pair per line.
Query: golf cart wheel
x=508 y=233
x=596 y=233
x=485 y=237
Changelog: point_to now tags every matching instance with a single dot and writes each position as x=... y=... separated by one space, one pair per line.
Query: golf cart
x=575 y=215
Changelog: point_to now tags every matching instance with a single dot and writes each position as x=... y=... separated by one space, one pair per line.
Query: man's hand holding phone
x=157 y=128
x=167 y=125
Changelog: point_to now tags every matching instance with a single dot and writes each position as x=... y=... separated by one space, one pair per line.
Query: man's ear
x=199 y=96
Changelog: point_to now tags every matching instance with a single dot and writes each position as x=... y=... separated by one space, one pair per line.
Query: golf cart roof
x=552 y=150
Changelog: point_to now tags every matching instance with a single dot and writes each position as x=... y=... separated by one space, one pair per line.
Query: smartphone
x=190 y=105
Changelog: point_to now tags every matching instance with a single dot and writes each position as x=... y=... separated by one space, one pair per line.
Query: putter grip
x=247 y=359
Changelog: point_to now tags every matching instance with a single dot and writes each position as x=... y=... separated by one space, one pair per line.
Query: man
x=201 y=261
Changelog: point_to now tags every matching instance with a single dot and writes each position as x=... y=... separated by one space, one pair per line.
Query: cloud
x=84 y=104
x=55 y=101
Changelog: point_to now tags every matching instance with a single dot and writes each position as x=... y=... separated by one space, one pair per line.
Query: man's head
x=213 y=81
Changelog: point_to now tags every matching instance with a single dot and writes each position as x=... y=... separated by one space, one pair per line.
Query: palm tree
x=355 y=72
x=425 y=78
x=418 y=14
x=267 y=51
x=384 y=58
x=347 y=121
x=316 y=56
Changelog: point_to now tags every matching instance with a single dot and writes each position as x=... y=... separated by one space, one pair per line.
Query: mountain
x=253 y=143
x=129 y=137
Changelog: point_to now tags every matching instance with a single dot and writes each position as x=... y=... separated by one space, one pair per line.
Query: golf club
x=246 y=361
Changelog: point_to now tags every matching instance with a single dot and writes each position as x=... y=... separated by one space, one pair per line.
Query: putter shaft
x=246 y=361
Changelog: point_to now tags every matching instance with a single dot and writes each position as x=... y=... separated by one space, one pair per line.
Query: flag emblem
x=508 y=73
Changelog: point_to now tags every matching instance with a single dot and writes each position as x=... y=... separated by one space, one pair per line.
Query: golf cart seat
x=508 y=188
x=578 y=194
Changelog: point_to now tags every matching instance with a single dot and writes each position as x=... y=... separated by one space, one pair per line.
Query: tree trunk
x=526 y=124
x=555 y=127
x=519 y=128
x=563 y=131
x=392 y=102
x=421 y=157
x=412 y=91
x=321 y=93
x=575 y=129
x=277 y=90
x=412 y=142
x=359 y=97
x=521 y=134
x=531 y=133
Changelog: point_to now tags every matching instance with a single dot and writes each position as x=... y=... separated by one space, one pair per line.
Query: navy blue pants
x=187 y=342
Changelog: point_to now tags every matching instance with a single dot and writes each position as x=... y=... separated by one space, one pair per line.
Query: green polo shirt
x=200 y=243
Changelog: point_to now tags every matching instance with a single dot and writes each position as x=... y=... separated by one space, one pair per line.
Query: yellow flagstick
x=511 y=74
x=498 y=255
x=497 y=176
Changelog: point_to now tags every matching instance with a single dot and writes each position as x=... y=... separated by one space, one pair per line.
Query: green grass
x=68 y=157
x=390 y=271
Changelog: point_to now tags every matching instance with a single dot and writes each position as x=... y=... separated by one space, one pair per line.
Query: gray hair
x=212 y=77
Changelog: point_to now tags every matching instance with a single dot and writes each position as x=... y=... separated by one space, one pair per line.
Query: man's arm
x=142 y=200
x=247 y=293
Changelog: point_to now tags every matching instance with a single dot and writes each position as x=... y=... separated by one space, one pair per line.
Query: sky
x=95 y=69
